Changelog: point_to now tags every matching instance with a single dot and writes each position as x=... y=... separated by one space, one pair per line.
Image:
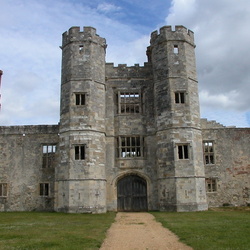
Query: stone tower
x=179 y=157
x=80 y=178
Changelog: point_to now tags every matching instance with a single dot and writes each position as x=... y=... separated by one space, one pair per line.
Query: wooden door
x=132 y=194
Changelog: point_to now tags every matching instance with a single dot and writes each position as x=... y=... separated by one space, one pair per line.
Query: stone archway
x=132 y=194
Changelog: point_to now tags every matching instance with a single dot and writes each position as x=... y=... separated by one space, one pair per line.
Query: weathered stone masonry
x=129 y=138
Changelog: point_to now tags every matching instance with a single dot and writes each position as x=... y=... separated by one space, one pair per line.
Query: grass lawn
x=216 y=229
x=33 y=230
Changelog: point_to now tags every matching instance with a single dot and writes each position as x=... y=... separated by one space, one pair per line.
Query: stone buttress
x=80 y=177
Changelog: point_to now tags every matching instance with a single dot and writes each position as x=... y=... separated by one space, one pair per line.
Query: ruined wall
x=231 y=168
x=21 y=167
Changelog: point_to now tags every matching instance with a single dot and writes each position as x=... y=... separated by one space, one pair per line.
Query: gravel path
x=140 y=231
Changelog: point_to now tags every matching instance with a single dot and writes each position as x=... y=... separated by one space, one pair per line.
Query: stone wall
x=21 y=167
x=231 y=168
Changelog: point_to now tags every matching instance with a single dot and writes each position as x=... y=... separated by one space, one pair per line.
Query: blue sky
x=31 y=58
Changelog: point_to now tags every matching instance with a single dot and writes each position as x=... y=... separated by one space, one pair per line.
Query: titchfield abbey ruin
x=129 y=138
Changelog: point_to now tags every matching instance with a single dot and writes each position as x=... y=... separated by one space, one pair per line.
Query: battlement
x=124 y=71
x=74 y=34
x=167 y=33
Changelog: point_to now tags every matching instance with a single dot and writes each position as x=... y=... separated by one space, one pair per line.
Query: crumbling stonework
x=129 y=138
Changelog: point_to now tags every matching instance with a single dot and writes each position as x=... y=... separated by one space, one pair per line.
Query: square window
x=44 y=189
x=129 y=102
x=211 y=185
x=80 y=99
x=179 y=97
x=183 y=151
x=80 y=152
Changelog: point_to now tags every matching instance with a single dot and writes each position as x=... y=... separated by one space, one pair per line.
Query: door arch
x=132 y=194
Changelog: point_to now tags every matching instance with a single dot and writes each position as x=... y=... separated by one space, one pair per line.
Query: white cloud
x=222 y=50
x=107 y=7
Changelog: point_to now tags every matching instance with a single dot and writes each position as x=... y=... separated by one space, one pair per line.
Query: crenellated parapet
x=180 y=33
x=124 y=71
x=74 y=34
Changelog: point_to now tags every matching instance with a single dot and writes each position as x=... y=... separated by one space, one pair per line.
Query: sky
x=30 y=57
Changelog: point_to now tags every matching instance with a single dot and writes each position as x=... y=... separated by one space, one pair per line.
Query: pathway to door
x=140 y=231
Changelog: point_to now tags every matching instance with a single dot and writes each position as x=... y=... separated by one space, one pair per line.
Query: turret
x=179 y=142
x=81 y=185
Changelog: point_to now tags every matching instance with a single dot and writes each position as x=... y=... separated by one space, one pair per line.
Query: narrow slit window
x=80 y=99
x=80 y=49
x=176 y=49
x=80 y=152
x=3 y=189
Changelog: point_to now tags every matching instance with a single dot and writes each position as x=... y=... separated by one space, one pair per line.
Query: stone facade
x=129 y=138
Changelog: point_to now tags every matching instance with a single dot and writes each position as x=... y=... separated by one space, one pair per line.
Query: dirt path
x=140 y=231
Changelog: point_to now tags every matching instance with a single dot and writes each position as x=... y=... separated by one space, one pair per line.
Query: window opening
x=211 y=185
x=130 y=146
x=183 y=152
x=44 y=189
x=208 y=148
x=3 y=189
x=49 y=155
x=179 y=97
x=176 y=49
x=129 y=102
x=80 y=99
x=80 y=152
x=80 y=49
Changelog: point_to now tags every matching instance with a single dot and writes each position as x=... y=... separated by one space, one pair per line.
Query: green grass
x=33 y=230
x=218 y=229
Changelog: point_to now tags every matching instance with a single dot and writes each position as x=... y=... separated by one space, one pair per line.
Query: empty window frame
x=79 y=152
x=179 y=97
x=44 y=189
x=208 y=150
x=80 y=99
x=49 y=152
x=183 y=151
x=176 y=49
x=3 y=189
x=211 y=185
x=130 y=146
x=129 y=102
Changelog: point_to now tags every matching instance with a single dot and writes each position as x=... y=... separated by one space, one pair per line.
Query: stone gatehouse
x=129 y=138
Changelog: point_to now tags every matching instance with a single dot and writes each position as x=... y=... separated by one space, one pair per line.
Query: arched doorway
x=132 y=194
